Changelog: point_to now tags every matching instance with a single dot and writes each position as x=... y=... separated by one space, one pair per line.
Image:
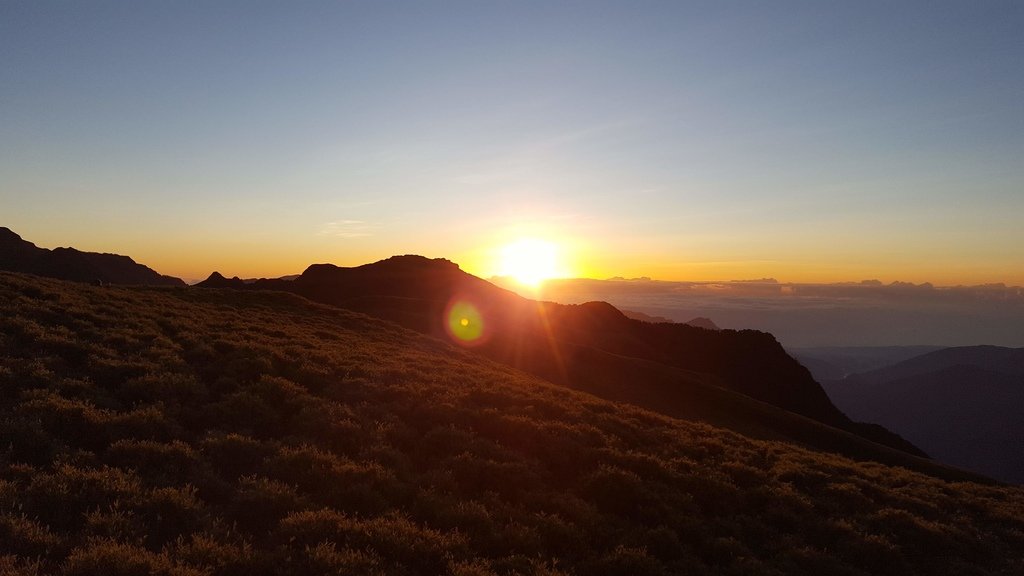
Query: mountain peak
x=8 y=235
x=218 y=280
x=9 y=239
x=19 y=255
x=702 y=322
x=418 y=262
x=602 y=312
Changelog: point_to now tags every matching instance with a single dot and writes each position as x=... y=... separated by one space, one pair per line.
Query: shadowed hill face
x=561 y=342
x=221 y=432
x=17 y=255
x=962 y=405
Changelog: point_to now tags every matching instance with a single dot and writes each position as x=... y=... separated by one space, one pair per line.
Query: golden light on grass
x=530 y=261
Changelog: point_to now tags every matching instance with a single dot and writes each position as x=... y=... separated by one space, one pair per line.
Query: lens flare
x=464 y=323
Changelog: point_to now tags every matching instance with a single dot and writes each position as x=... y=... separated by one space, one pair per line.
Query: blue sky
x=802 y=140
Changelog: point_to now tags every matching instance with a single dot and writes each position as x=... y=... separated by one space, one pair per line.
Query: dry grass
x=177 y=431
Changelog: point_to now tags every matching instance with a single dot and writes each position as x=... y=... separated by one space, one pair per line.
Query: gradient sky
x=809 y=141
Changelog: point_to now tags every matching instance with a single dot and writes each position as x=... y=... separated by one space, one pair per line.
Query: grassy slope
x=676 y=370
x=214 y=432
x=682 y=394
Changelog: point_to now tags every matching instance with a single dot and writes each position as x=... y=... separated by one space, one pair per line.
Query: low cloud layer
x=868 y=313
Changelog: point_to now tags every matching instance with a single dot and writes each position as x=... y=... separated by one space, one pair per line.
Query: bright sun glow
x=530 y=261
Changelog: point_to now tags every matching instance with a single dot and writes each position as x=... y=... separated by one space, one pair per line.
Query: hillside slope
x=17 y=255
x=560 y=343
x=838 y=362
x=180 y=431
x=963 y=405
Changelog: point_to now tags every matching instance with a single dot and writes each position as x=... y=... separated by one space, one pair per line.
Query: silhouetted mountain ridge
x=18 y=255
x=565 y=343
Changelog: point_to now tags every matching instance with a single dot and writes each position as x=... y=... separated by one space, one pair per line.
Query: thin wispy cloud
x=347 y=229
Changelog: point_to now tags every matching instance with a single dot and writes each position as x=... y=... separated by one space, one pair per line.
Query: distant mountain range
x=17 y=255
x=964 y=405
x=699 y=322
x=677 y=369
x=838 y=362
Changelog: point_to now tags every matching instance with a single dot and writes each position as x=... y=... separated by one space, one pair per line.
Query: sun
x=529 y=261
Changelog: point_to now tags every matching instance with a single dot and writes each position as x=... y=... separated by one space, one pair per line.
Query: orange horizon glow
x=257 y=267
x=195 y=258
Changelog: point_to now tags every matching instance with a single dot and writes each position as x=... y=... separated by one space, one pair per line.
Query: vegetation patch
x=177 y=431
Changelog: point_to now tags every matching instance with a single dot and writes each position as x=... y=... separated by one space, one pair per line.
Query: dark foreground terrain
x=183 y=431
